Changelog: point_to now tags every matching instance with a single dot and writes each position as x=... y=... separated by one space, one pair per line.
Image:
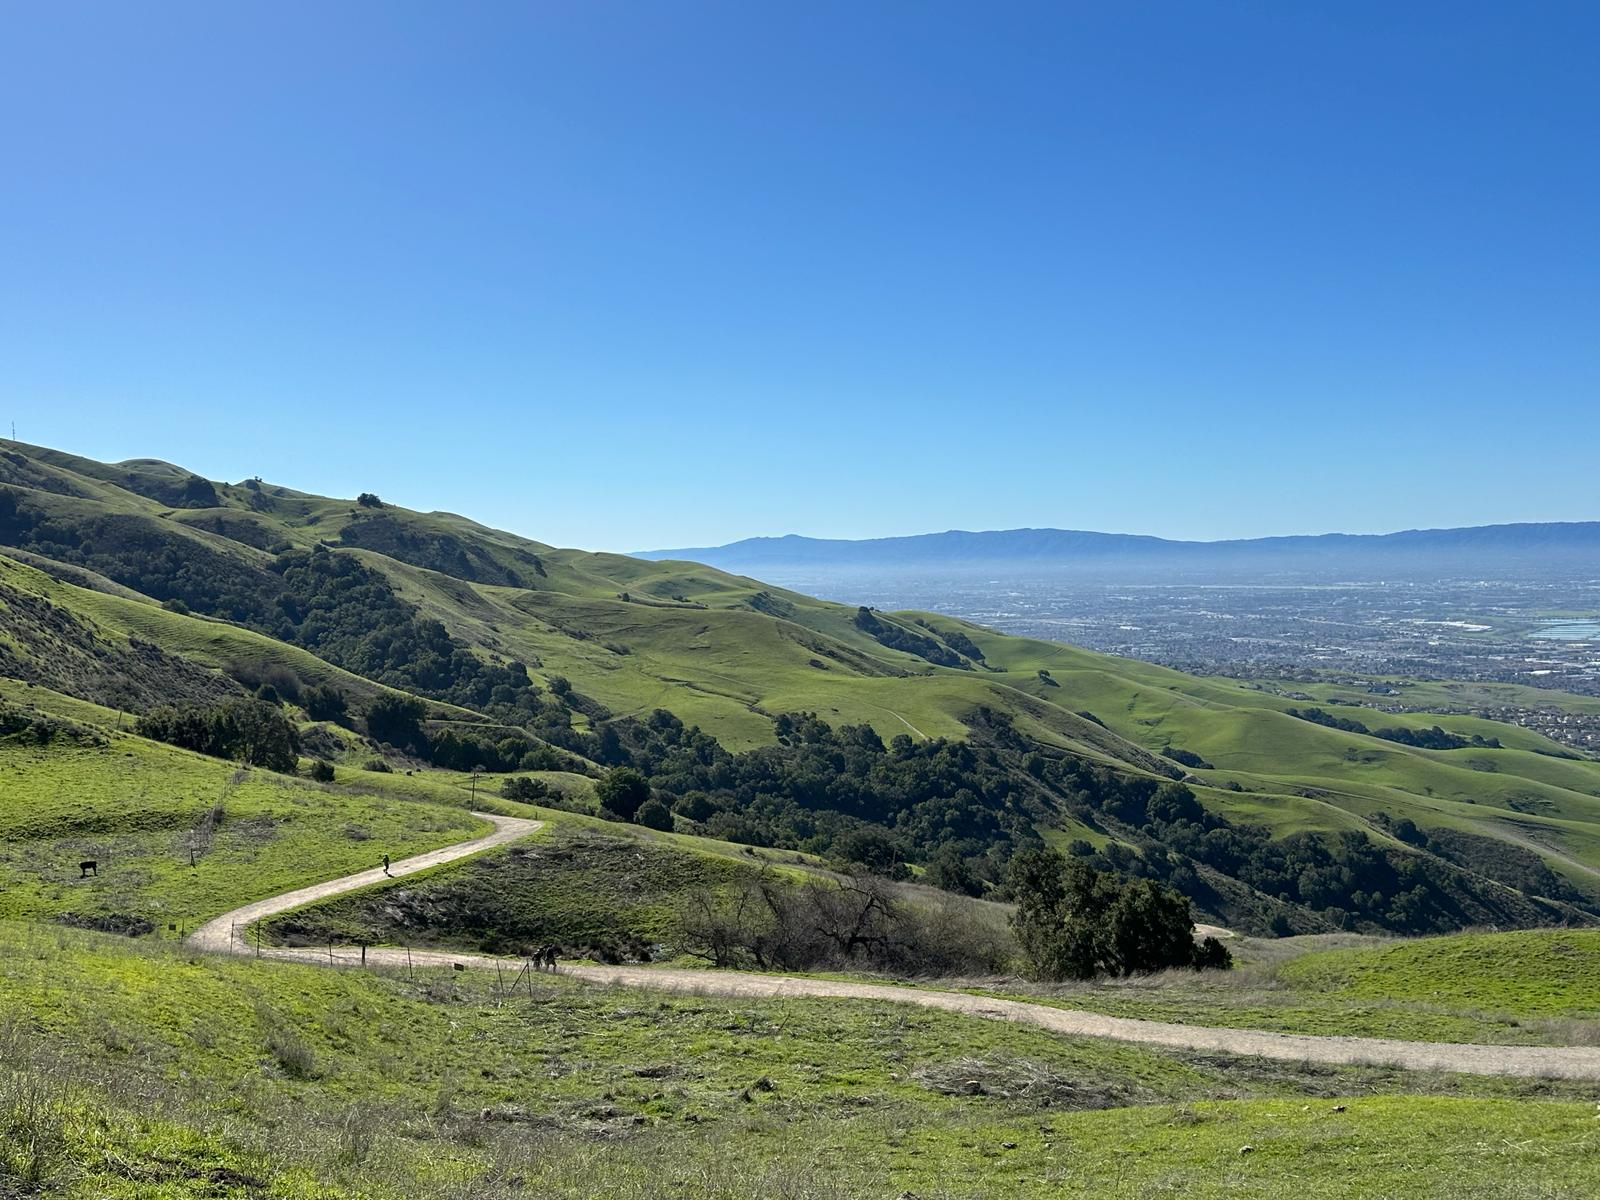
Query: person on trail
x=385 y=864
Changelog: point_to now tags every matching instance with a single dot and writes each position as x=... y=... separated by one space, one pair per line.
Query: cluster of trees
x=1425 y=739
x=1490 y=857
x=528 y=791
x=898 y=637
x=21 y=722
x=249 y=731
x=398 y=721
x=1187 y=757
x=1073 y=922
x=839 y=792
x=344 y=611
x=957 y=641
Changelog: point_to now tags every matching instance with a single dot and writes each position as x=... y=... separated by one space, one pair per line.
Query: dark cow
x=87 y=868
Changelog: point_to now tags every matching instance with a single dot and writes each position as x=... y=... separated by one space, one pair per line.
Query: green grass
x=1535 y=987
x=134 y=805
x=136 y=1070
x=1540 y=972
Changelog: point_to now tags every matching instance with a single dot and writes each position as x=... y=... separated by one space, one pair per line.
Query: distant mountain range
x=1480 y=548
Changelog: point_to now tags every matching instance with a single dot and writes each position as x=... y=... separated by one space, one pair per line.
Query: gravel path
x=1565 y=1062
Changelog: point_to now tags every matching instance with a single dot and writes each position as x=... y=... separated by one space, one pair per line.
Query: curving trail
x=221 y=934
x=1564 y=1062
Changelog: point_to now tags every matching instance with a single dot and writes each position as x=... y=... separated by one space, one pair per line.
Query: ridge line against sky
x=684 y=275
x=766 y=539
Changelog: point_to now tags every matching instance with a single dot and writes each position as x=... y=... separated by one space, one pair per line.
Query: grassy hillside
x=1536 y=972
x=133 y=1070
x=170 y=585
x=137 y=808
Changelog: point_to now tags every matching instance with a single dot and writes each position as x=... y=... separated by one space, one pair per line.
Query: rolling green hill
x=138 y=583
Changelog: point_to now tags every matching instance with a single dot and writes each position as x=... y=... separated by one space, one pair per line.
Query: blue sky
x=645 y=274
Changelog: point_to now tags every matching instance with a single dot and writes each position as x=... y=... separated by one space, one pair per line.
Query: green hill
x=136 y=584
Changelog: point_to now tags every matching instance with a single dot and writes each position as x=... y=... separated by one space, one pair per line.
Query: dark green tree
x=398 y=721
x=1074 y=922
x=951 y=871
x=323 y=703
x=622 y=793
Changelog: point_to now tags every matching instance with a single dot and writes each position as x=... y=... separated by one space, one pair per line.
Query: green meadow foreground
x=142 y=1070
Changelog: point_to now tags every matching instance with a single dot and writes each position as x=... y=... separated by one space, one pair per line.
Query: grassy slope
x=132 y=804
x=209 y=643
x=575 y=886
x=139 y=1071
x=1544 y=972
x=1533 y=786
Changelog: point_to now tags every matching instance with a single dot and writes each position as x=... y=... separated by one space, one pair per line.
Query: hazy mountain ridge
x=1480 y=547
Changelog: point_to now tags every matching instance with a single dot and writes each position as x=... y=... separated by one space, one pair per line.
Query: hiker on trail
x=385 y=864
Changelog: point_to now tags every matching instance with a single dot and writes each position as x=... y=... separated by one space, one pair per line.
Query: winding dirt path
x=224 y=934
x=1565 y=1062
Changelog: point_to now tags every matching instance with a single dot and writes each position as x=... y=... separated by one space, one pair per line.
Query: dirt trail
x=1565 y=1062
x=219 y=934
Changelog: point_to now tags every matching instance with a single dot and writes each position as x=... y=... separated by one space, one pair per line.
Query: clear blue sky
x=624 y=275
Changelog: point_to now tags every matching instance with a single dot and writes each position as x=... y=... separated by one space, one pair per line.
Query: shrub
x=528 y=791
x=1212 y=955
x=654 y=815
x=321 y=771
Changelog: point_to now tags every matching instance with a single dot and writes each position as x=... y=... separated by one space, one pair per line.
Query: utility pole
x=476 y=771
